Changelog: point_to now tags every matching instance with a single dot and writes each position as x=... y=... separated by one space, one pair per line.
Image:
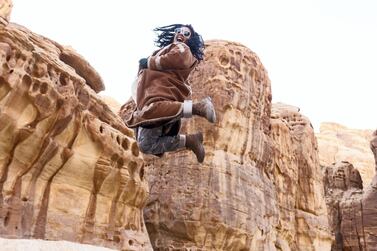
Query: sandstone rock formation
x=42 y=245
x=352 y=211
x=343 y=187
x=260 y=186
x=113 y=104
x=338 y=143
x=69 y=168
x=298 y=181
x=5 y=10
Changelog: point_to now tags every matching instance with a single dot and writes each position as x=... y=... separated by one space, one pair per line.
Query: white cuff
x=182 y=141
x=187 y=109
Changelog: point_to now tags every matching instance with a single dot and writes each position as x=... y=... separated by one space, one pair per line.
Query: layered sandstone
x=42 y=245
x=338 y=143
x=343 y=187
x=260 y=186
x=352 y=210
x=298 y=181
x=5 y=10
x=69 y=168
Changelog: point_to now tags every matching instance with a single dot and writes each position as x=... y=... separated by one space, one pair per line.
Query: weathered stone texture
x=69 y=168
x=352 y=211
x=5 y=10
x=338 y=143
x=369 y=203
x=298 y=181
x=43 y=245
x=260 y=186
x=343 y=186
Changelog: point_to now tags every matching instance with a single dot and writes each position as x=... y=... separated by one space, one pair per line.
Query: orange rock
x=5 y=10
x=352 y=211
x=69 y=168
x=260 y=186
x=338 y=143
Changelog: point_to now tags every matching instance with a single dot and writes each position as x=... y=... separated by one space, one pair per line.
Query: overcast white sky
x=321 y=55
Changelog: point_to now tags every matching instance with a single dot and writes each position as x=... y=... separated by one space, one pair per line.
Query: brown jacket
x=162 y=87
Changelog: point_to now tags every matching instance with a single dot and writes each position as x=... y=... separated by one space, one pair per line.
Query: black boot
x=205 y=109
x=194 y=142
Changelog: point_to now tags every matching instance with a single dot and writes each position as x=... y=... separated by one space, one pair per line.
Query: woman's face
x=182 y=34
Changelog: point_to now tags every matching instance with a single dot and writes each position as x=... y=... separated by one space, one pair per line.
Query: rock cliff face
x=5 y=10
x=42 y=245
x=69 y=168
x=352 y=211
x=338 y=143
x=260 y=186
x=343 y=194
x=298 y=181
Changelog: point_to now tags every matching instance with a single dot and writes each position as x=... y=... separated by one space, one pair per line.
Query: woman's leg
x=152 y=141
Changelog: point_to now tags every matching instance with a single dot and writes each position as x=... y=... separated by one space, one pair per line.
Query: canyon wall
x=5 y=10
x=352 y=210
x=69 y=168
x=338 y=143
x=260 y=186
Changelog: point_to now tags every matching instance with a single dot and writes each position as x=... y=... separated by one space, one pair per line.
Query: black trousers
x=159 y=140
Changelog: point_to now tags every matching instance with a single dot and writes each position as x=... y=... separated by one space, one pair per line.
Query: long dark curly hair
x=165 y=36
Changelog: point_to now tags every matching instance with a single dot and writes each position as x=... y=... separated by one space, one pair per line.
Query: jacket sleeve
x=178 y=57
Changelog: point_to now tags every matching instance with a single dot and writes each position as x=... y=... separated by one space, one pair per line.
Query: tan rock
x=373 y=147
x=344 y=192
x=42 y=245
x=338 y=143
x=5 y=10
x=352 y=211
x=298 y=181
x=369 y=204
x=260 y=186
x=113 y=104
x=69 y=168
x=69 y=56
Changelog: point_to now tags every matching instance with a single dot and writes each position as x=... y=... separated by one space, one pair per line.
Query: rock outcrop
x=343 y=186
x=69 y=168
x=260 y=186
x=352 y=211
x=5 y=10
x=338 y=143
x=42 y=245
x=298 y=181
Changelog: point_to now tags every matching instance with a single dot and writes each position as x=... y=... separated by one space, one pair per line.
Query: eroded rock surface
x=370 y=204
x=303 y=223
x=69 y=168
x=338 y=143
x=352 y=211
x=260 y=186
x=343 y=195
x=5 y=10
x=43 y=245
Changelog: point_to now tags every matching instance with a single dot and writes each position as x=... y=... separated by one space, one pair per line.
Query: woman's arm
x=178 y=56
